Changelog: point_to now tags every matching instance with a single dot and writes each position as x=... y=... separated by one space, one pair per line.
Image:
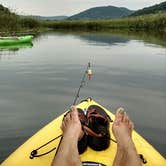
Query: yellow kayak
x=21 y=157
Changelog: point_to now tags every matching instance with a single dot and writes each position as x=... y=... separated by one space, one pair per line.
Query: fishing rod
x=88 y=73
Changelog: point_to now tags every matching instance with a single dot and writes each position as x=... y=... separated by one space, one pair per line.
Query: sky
x=69 y=7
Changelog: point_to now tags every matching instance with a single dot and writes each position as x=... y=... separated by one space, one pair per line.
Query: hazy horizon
x=68 y=8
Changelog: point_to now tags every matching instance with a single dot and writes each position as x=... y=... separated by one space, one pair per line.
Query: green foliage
x=151 y=10
x=8 y=20
x=147 y=22
x=11 y=22
x=4 y=10
x=29 y=23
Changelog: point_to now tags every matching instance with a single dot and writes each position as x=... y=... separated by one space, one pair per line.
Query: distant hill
x=151 y=10
x=104 y=12
x=46 y=17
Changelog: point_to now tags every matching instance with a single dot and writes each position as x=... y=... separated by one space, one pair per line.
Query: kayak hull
x=22 y=155
x=15 y=40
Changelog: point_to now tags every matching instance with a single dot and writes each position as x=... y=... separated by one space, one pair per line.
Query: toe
x=74 y=113
x=131 y=125
x=68 y=117
x=119 y=114
x=63 y=126
x=126 y=119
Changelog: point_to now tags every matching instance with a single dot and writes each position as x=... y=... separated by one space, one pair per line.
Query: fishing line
x=87 y=74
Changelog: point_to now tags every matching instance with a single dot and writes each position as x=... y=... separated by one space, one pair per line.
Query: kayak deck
x=21 y=155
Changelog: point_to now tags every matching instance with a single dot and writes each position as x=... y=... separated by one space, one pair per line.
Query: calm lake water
x=37 y=83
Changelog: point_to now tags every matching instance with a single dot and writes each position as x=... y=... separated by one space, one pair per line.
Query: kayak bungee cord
x=34 y=153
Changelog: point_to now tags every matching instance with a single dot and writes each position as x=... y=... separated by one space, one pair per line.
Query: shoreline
x=151 y=22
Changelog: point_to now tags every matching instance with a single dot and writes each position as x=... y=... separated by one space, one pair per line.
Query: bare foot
x=71 y=125
x=122 y=128
x=67 y=153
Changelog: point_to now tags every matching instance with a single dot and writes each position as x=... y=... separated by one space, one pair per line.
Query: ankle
x=71 y=136
x=129 y=145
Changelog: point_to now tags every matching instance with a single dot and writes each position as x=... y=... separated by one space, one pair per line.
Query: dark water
x=38 y=83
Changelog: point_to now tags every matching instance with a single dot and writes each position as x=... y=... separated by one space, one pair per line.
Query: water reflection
x=10 y=50
x=15 y=47
x=114 y=36
x=104 y=39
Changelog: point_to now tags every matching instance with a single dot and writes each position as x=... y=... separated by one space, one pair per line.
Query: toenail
x=121 y=111
x=72 y=107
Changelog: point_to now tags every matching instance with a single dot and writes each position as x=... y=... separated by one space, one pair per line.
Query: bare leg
x=126 y=151
x=67 y=154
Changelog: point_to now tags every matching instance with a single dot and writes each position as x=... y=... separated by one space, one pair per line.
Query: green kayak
x=15 y=40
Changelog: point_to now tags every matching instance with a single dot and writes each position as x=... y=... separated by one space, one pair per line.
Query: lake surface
x=39 y=82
